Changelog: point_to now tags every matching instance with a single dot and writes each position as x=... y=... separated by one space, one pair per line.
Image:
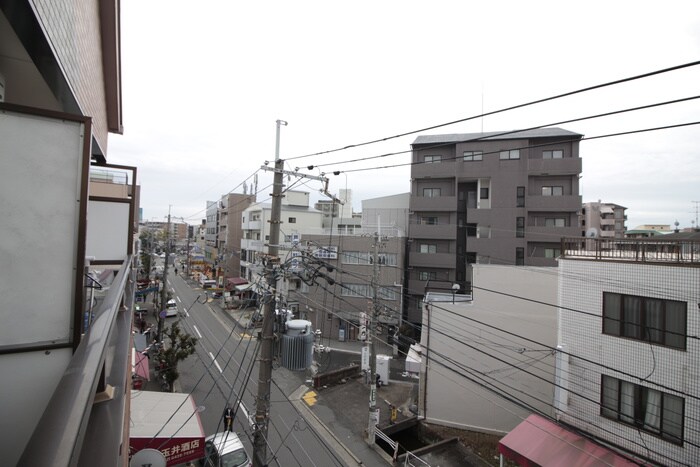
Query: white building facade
x=488 y=362
x=629 y=327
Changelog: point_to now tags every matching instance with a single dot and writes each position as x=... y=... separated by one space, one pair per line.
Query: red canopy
x=538 y=442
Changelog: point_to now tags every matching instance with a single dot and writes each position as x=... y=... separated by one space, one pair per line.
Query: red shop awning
x=167 y=422
x=538 y=442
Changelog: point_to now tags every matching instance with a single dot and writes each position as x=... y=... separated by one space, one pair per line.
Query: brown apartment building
x=491 y=198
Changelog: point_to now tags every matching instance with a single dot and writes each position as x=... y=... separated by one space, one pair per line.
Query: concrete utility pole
x=164 y=292
x=373 y=412
x=262 y=405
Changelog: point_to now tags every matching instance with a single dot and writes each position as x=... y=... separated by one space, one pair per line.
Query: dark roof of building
x=682 y=236
x=497 y=135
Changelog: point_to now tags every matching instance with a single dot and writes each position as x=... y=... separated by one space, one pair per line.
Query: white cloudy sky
x=204 y=83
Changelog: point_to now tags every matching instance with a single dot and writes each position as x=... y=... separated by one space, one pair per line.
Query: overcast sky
x=204 y=83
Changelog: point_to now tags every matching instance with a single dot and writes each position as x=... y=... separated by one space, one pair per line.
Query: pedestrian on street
x=228 y=418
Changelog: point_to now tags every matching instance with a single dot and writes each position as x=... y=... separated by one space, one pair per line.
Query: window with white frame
x=389 y=259
x=552 y=252
x=427 y=275
x=553 y=154
x=355 y=290
x=555 y=222
x=470 y=156
x=428 y=248
x=511 y=154
x=432 y=159
x=387 y=293
x=355 y=257
x=431 y=192
x=552 y=191
x=654 y=320
x=643 y=407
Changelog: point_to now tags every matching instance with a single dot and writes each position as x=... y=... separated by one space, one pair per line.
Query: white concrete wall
x=482 y=346
x=582 y=285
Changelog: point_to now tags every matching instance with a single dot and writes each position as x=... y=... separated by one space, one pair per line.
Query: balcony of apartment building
x=252 y=225
x=251 y=245
x=547 y=167
x=435 y=166
x=435 y=231
x=570 y=203
x=433 y=203
x=432 y=260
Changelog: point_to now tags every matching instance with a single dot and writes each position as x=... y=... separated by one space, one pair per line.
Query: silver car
x=225 y=450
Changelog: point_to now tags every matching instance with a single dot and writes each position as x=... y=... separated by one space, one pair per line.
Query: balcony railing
x=637 y=250
x=75 y=428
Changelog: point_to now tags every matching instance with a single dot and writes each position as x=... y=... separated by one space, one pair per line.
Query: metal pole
x=373 y=413
x=262 y=406
x=164 y=292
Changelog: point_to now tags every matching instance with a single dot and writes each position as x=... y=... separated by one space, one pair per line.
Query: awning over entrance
x=232 y=282
x=168 y=422
x=139 y=364
x=243 y=288
x=538 y=441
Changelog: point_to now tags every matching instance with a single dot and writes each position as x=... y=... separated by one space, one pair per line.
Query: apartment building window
x=355 y=290
x=389 y=259
x=552 y=191
x=292 y=220
x=552 y=252
x=428 y=248
x=555 y=222
x=355 y=257
x=554 y=154
x=470 y=156
x=432 y=159
x=512 y=154
x=429 y=220
x=387 y=293
x=471 y=230
x=520 y=256
x=484 y=193
x=644 y=408
x=427 y=275
x=431 y=192
x=520 y=197
x=520 y=227
x=654 y=320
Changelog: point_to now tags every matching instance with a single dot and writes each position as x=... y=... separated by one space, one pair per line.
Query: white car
x=171 y=308
x=224 y=450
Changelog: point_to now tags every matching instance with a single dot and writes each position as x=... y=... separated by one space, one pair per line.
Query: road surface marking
x=310 y=398
x=199 y=334
x=216 y=363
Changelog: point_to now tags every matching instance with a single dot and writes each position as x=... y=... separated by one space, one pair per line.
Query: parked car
x=224 y=450
x=171 y=308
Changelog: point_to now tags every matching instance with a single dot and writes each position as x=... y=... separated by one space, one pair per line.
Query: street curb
x=340 y=449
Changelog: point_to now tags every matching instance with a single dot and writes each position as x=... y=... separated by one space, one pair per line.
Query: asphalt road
x=224 y=369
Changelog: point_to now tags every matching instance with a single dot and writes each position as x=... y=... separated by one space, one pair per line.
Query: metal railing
x=72 y=415
x=637 y=250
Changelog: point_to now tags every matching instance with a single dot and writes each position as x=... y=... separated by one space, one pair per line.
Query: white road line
x=216 y=363
x=178 y=299
x=199 y=334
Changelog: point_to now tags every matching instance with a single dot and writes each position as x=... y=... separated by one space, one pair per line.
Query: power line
x=506 y=109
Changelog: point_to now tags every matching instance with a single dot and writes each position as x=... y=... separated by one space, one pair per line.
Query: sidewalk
x=340 y=413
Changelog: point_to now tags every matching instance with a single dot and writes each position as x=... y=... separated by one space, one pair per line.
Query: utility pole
x=262 y=405
x=373 y=412
x=164 y=292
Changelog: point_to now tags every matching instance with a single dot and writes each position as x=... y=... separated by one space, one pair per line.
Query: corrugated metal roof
x=496 y=135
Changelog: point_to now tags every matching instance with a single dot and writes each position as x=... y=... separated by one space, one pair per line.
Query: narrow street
x=224 y=367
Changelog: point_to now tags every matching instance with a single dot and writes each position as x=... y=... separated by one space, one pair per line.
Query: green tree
x=181 y=345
